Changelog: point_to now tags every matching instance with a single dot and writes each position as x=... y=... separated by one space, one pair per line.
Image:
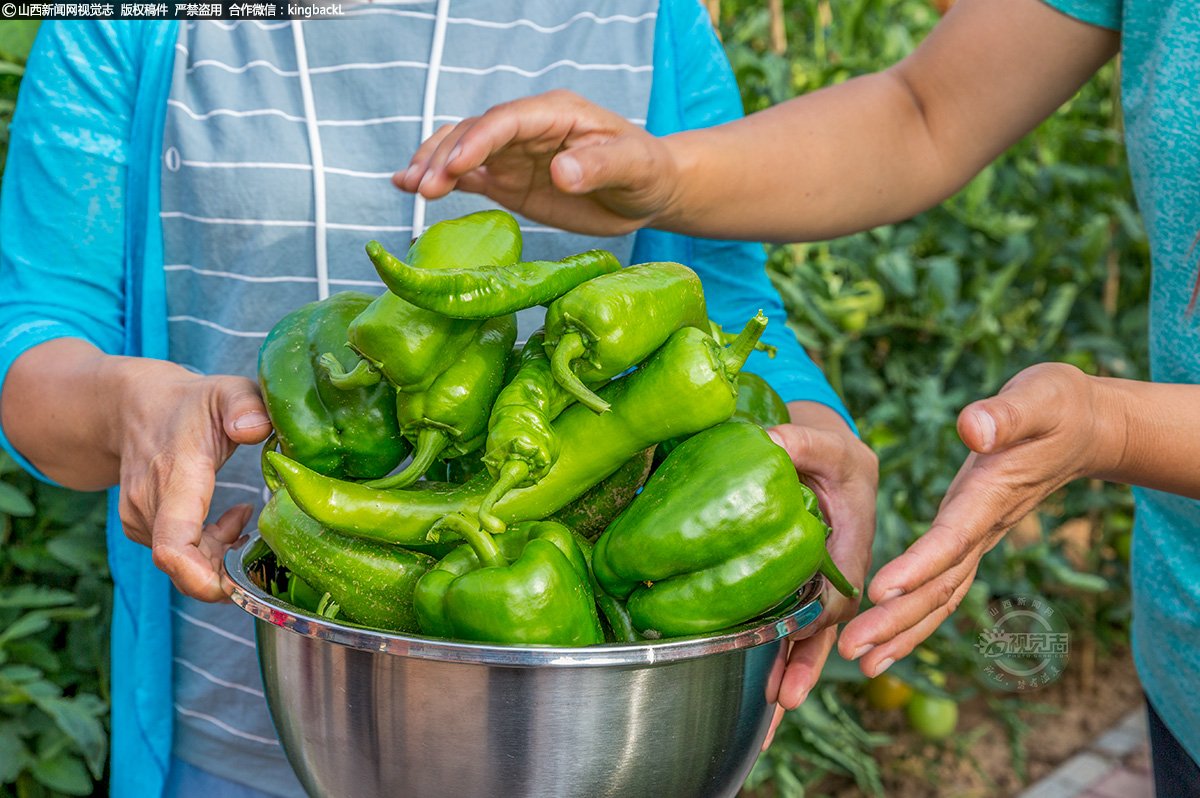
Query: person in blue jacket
x=173 y=189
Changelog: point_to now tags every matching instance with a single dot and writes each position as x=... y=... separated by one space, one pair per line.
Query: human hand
x=555 y=158
x=844 y=474
x=1036 y=435
x=175 y=432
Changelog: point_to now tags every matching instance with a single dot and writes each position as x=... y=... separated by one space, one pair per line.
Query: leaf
x=13 y=502
x=64 y=773
x=20 y=673
x=28 y=624
x=79 y=722
x=16 y=39
x=14 y=756
x=31 y=596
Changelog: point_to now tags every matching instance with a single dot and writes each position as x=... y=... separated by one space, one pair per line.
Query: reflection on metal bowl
x=367 y=714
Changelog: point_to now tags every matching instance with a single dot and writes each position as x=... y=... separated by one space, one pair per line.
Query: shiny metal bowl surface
x=366 y=714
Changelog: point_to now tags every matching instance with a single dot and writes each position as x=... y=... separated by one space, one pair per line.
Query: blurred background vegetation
x=1042 y=257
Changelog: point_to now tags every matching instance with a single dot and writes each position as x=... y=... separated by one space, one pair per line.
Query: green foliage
x=914 y=320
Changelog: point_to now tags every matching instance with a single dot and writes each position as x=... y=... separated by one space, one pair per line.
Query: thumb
x=622 y=162
x=241 y=410
x=1016 y=414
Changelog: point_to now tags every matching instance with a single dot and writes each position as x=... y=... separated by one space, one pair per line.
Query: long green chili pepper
x=522 y=443
x=686 y=386
x=450 y=418
x=589 y=330
x=487 y=290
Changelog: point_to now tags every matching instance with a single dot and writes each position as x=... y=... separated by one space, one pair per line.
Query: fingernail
x=775 y=437
x=569 y=170
x=884 y=665
x=895 y=592
x=251 y=420
x=862 y=650
x=454 y=154
x=425 y=179
x=987 y=426
x=406 y=174
x=247 y=510
x=803 y=698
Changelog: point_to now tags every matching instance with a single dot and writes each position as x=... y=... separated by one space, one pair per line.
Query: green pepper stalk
x=350 y=434
x=529 y=585
x=409 y=346
x=725 y=339
x=450 y=418
x=719 y=534
x=372 y=582
x=487 y=290
x=616 y=614
x=686 y=386
x=612 y=323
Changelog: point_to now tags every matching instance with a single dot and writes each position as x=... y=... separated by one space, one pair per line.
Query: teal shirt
x=1160 y=96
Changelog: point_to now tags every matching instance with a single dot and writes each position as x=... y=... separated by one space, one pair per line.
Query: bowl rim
x=798 y=615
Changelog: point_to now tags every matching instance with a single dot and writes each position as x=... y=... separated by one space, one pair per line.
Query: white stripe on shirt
x=217 y=680
x=191 y=713
x=214 y=629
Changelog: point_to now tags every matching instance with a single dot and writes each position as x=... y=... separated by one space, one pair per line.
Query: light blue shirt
x=1160 y=97
x=81 y=255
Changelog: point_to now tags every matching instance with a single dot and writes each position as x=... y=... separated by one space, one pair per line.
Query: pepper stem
x=840 y=583
x=270 y=475
x=512 y=474
x=571 y=347
x=430 y=443
x=735 y=356
x=484 y=546
x=363 y=375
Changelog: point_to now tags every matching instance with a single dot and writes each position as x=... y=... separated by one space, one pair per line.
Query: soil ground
x=1070 y=715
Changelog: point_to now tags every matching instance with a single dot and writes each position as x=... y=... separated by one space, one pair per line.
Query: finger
x=179 y=531
x=885 y=654
x=133 y=520
x=776 y=719
x=888 y=620
x=240 y=407
x=410 y=178
x=1029 y=406
x=437 y=181
x=805 y=662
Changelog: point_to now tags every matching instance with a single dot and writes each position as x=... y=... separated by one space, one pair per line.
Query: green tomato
x=932 y=717
x=1122 y=543
x=888 y=692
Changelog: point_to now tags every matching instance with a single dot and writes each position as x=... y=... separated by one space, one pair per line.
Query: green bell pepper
x=718 y=535
x=528 y=585
x=350 y=434
x=409 y=346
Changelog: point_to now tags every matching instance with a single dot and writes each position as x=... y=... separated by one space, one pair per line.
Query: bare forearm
x=884 y=147
x=60 y=407
x=1150 y=435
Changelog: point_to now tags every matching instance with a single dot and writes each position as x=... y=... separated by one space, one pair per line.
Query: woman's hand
x=844 y=474
x=89 y=421
x=1047 y=426
x=555 y=158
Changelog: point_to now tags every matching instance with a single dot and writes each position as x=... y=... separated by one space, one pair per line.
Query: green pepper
x=528 y=585
x=612 y=323
x=725 y=339
x=758 y=403
x=450 y=418
x=487 y=290
x=591 y=513
x=409 y=346
x=372 y=582
x=718 y=535
x=349 y=434
x=686 y=386
x=522 y=443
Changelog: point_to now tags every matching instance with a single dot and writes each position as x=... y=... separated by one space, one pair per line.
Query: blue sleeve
x=694 y=88
x=62 y=218
x=1104 y=13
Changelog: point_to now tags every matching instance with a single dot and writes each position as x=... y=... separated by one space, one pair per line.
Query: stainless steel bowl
x=367 y=714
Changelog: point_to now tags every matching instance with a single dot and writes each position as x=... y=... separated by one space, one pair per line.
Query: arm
x=1049 y=425
x=72 y=408
x=870 y=151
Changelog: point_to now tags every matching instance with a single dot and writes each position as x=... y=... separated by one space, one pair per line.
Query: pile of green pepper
x=608 y=480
